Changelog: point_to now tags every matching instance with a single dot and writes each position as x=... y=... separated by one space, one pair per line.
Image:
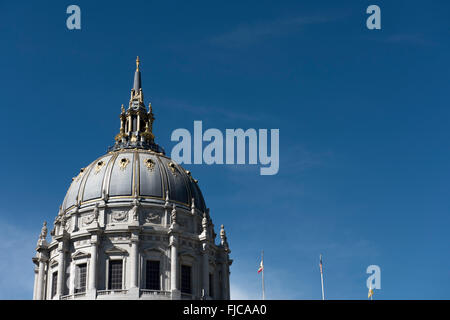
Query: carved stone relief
x=119 y=216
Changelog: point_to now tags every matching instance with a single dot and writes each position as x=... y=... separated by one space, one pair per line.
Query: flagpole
x=321 y=277
x=262 y=261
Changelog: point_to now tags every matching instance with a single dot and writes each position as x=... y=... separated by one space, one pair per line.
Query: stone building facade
x=133 y=225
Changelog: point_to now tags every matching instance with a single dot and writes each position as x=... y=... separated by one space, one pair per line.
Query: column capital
x=35 y=261
x=95 y=229
x=60 y=247
x=43 y=257
x=173 y=240
x=95 y=239
x=42 y=252
x=134 y=238
x=64 y=235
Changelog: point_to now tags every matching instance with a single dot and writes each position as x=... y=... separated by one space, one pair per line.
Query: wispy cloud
x=16 y=268
x=247 y=34
x=212 y=110
x=409 y=38
x=280 y=282
x=239 y=292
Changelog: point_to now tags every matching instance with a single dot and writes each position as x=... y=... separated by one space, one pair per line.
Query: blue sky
x=363 y=116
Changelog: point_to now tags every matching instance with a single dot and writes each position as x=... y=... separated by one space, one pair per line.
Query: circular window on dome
x=172 y=168
x=99 y=166
x=150 y=164
x=123 y=163
x=79 y=175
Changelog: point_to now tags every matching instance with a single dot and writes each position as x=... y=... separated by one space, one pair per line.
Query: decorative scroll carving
x=119 y=216
x=153 y=218
x=87 y=220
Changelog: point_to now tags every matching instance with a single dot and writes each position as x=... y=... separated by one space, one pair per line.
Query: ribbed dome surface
x=128 y=173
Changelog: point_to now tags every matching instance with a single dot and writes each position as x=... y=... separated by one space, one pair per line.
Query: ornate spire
x=173 y=215
x=193 y=206
x=223 y=238
x=204 y=222
x=43 y=235
x=136 y=123
x=137 y=78
x=204 y=235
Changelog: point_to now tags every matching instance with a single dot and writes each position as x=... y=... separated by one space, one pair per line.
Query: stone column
x=173 y=263
x=173 y=243
x=93 y=265
x=225 y=281
x=72 y=279
x=61 y=270
x=36 y=270
x=205 y=278
x=41 y=279
x=60 y=282
x=75 y=222
x=229 y=262
x=134 y=260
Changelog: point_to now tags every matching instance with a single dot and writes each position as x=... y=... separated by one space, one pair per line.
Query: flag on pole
x=370 y=293
x=261 y=267
x=320 y=264
x=321 y=277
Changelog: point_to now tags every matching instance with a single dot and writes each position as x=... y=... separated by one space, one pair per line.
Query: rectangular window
x=152 y=275
x=115 y=275
x=80 y=284
x=54 y=283
x=186 y=279
x=211 y=285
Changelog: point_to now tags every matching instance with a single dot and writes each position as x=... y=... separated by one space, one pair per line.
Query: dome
x=126 y=174
x=133 y=225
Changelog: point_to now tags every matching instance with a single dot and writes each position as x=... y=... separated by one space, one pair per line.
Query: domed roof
x=129 y=173
x=135 y=167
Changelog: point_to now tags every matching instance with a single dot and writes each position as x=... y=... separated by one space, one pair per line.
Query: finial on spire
x=136 y=124
x=223 y=239
x=43 y=235
x=173 y=215
x=137 y=93
x=204 y=222
x=193 y=206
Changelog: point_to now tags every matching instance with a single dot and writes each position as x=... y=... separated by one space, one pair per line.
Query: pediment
x=80 y=255
x=188 y=254
x=53 y=263
x=158 y=250
x=116 y=251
